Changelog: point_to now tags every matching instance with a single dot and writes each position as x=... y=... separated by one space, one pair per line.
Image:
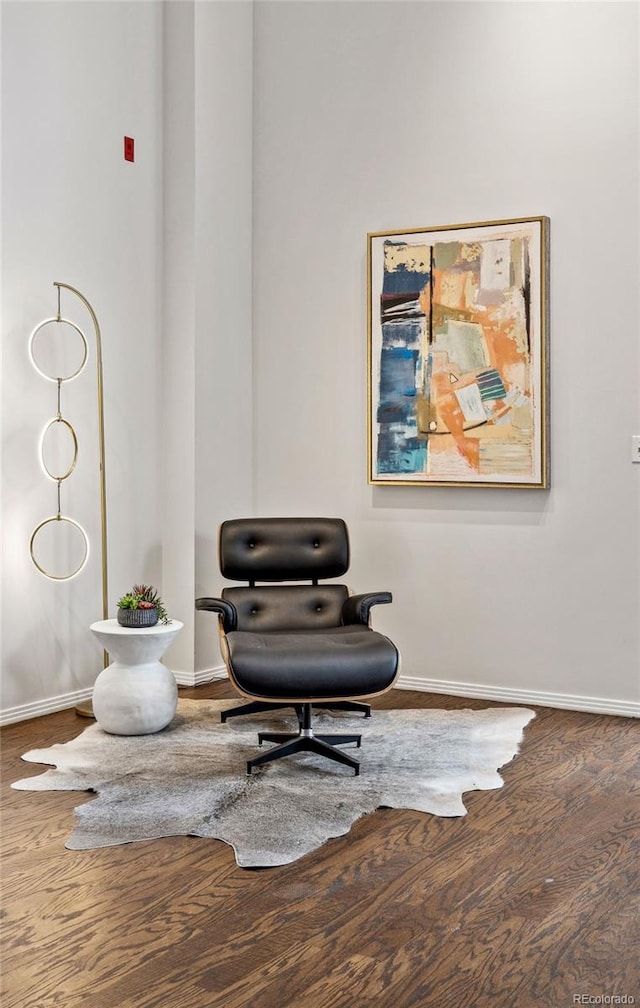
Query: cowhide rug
x=190 y=780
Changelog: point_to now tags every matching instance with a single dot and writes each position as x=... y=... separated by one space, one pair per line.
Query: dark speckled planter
x=137 y=617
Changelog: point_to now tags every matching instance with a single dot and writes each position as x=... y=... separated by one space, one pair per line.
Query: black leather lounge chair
x=298 y=645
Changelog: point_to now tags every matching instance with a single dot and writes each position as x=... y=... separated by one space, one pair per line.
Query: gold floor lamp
x=59 y=519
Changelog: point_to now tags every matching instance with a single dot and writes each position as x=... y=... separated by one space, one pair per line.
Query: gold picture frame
x=458 y=355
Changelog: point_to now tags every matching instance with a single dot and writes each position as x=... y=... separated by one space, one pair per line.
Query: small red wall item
x=128 y=149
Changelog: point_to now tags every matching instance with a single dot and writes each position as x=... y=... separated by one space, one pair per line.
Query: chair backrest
x=285 y=550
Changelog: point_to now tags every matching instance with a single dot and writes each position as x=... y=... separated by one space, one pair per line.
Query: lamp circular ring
x=66 y=475
x=85 y=349
x=69 y=521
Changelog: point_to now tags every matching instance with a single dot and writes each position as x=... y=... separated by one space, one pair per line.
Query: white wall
x=207 y=410
x=162 y=249
x=388 y=115
x=326 y=120
x=223 y=382
x=77 y=78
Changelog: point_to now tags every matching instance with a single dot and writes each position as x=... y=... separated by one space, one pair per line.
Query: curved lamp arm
x=103 y=478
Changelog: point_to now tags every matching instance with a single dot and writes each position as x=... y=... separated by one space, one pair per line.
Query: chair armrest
x=357 y=608
x=226 y=611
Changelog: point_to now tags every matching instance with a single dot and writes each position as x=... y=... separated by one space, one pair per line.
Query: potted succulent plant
x=141 y=607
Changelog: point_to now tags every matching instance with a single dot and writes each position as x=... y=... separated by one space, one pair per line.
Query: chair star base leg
x=305 y=743
x=259 y=706
x=340 y=739
x=264 y=736
x=346 y=705
x=255 y=707
x=329 y=739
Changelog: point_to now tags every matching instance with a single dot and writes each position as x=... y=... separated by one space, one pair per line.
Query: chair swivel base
x=258 y=706
x=322 y=745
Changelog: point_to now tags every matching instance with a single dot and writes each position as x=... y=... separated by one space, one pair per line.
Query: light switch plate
x=635 y=448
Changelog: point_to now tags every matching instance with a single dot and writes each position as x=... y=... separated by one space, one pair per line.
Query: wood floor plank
x=529 y=899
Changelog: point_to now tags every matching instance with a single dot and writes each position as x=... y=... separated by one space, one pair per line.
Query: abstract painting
x=458 y=355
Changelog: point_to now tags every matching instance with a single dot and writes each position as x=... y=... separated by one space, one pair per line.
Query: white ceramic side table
x=136 y=694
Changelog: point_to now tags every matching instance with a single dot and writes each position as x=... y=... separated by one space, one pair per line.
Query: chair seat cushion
x=344 y=662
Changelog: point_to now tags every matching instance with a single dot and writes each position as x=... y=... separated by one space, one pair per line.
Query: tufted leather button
x=316 y=544
x=318 y=608
x=252 y=545
x=254 y=611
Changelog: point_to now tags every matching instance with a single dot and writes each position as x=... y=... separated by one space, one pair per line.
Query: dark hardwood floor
x=530 y=901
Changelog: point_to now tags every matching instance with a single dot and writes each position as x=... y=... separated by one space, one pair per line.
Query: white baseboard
x=562 y=701
x=202 y=677
x=40 y=707
x=10 y=715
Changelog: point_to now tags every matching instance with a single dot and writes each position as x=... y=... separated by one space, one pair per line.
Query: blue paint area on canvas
x=397 y=373
x=398 y=450
x=402 y=280
x=400 y=412
x=399 y=454
x=404 y=333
